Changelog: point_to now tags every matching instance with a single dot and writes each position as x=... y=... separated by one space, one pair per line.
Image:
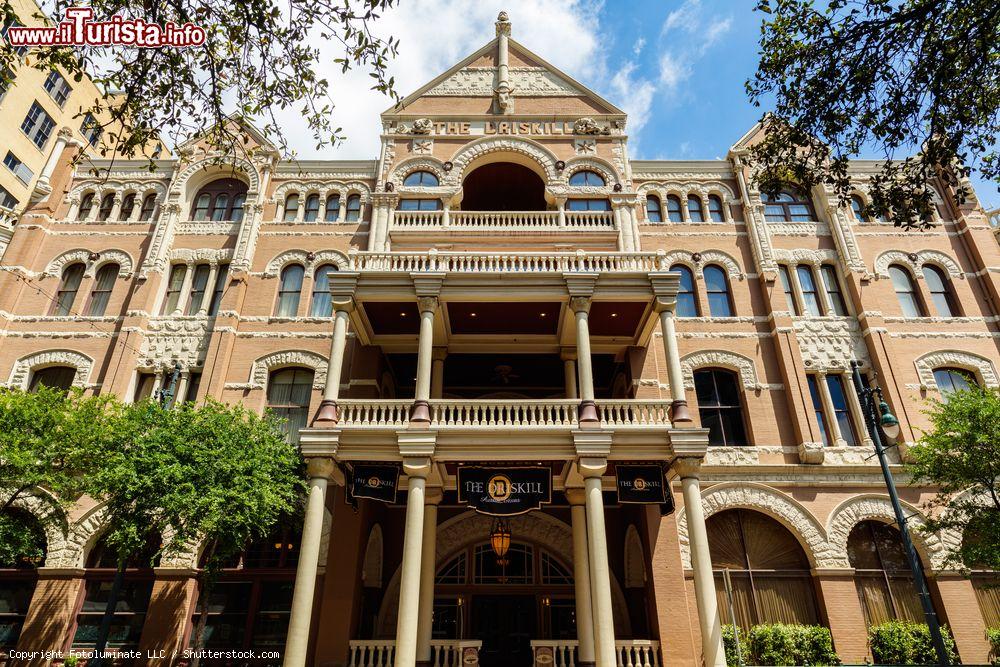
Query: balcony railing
x=444 y=652
x=501 y=221
x=539 y=262
x=628 y=652
x=994 y=217
x=465 y=414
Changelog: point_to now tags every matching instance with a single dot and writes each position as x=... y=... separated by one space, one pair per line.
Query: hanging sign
x=640 y=484
x=504 y=491
x=378 y=482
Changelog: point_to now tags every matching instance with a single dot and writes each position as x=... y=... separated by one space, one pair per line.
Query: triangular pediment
x=253 y=138
x=538 y=87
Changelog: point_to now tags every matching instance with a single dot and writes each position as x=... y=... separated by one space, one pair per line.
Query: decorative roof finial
x=503 y=24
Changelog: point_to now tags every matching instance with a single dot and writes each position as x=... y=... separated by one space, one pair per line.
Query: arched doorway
x=503 y=186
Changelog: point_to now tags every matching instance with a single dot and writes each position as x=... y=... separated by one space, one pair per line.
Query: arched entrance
x=503 y=186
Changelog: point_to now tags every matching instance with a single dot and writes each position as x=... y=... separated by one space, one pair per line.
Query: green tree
x=50 y=441
x=892 y=76
x=258 y=57
x=960 y=456
x=213 y=474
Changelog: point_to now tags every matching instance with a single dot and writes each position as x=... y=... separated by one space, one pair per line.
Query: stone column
x=62 y=138
x=409 y=579
x=428 y=561
x=116 y=207
x=569 y=373
x=437 y=371
x=425 y=348
x=701 y=563
x=182 y=387
x=581 y=578
x=319 y=470
x=835 y=436
x=185 y=293
x=679 y=413
x=856 y=415
x=600 y=570
x=588 y=409
x=561 y=207
x=327 y=413
x=206 y=298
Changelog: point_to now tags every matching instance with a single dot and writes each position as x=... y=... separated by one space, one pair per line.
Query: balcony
x=520 y=262
x=463 y=652
x=583 y=227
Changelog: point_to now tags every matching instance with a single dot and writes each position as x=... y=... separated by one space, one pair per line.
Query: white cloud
x=673 y=71
x=639 y=45
x=691 y=31
x=436 y=34
x=634 y=95
x=684 y=17
x=716 y=31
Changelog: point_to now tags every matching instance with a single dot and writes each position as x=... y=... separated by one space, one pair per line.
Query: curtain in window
x=103 y=284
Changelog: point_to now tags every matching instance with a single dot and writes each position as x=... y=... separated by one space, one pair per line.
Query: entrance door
x=506 y=625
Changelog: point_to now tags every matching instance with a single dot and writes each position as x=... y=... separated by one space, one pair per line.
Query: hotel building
x=505 y=290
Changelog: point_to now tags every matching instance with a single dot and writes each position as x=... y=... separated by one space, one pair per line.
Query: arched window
x=174 y=284
x=419 y=204
x=790 y=205
x=687 y=299
x=68 y=287
x=86 y=203
x=941 y=293
x=882 y=574
x=674 y=209
x=289 y=291
x=54 y=377
x=148 y=204
x=695 y=211
x=421 y=178
x=720 y=304
x=107 y=203
x=291 y=207
x=653 y=211
x=719 y=406
x=133 y=599
x=222 y=199
x=950 y=380
x=312 y=208
x=332 y=210
x=906 y=291
x=128 y=205
x=18 y=575
x=587 y=177
x=353 y=208
x=288 y=394
x=810 y=295
x=833 y=291
x=104 y=282
x=786 y=287
x=768 y=570
x=715 y=211
x=588 y=205
x=985 y=580
x=322 y=306
x=858 y=208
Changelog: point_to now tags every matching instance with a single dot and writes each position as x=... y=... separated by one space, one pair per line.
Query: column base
x=679 y=412
x=327 y=414
x=588 y=414
x=421 y=412
x=581 y=663
x=423 y=663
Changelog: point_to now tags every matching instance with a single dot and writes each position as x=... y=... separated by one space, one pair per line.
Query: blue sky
x=677 y=67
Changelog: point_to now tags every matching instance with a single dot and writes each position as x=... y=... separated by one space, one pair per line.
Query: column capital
x=439 y=353
x=568 y=354
x=427 y=304
x=576 y=496
x=580 y=304
x=325 y=468
x=417 y=466
x=687 y=468
x=592 y=466
x=580 y=283
x=665 y=304
x=343 y=304
x=433 y=495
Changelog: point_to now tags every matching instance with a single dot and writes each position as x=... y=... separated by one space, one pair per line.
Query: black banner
x=378 y=482
x=641 y=484
x=504 y=491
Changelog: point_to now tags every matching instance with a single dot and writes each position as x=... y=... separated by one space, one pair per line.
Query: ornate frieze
x=482 y=82
x=830 y=343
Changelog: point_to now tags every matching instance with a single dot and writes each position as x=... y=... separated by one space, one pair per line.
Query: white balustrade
x=473 y=262
x=628 y=652
x=994 y=217
x=500 y=221
x=637 y=653
x=444 y=652
x=620 y=413
x=445 y=413
x=358 y=412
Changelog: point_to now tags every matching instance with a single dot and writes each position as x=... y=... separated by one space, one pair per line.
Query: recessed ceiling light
x=402 y=314
x=472 y=315
x=614 y=314
x=543 y=314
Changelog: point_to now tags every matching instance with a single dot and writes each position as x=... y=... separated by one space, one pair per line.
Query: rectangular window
x=143 y=386
x=37 y=125
x=176 y=281
x=818 y=410
x=19 y=50
x=841 y=411
x=833 y=290
x=5 y=73
x=194 y=383
x=129 y=617
x=19 y=168
x=807 y=285
x=15 y=597
x=57 y=87
x=91 y=129
x=7 y=200
x=786 y=286
x=198 y=286
x=218 y=290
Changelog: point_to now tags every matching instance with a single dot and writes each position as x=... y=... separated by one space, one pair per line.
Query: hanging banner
x=377 y=482
x=667 y=507
x=504 y=491
x=640 y=484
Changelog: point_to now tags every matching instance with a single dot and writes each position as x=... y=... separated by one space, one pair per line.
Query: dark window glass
x=128 y=205
x=841 y=411
x=86 y=204
x=790 y=205
x=687 y=299
x=68 y=287
x=57 y=86
x=174 y=285
x=674 y=209
x=882 y=575
x=312 y=208
x=291 y=207
x=810 y=295
x=199 y=283
x=200 y=211
x=818 y=409
x=37 y=125
x=104 y=283
x=107 y=203
x=717 y=290
x=421 y=178
x=586 y=178
x=237 y=211
x=220 y=200
x=940 y=288
x=56 y=377
x=288 y=394
x=695 y=211
x=715 y=211
x=21 y=170
x=786 y=286
x=219 y=207
x=91 y=129
x=148 y=204
x=653 y=212
x=858 y=208
x=588 y=205
x=353 y=208
x=906 y=292
x=832 y=284
x=220 y=286
x=7 y=200
x=719 y=406
x=332 y=211
x=322 y=306
x=290 y=291
x=950 y=380
x=143 y=386
x=419 y=204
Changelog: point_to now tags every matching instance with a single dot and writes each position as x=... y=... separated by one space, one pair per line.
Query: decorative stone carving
x=475 y=149
x=915 y=266
x=20 y=375
x=588 y=125
x=867 y=507
x=183 y=340
x=56 y=266
x=200 y=255
x=482 y=82
x=707 y=257
x=119 y=257
x=830 y=343
x=585 y=146
x=80 y=538
x=39 y=504
x=302 y=257
x=773 y=503
x=422 y=146
x=422 y=126
x=263 y=366
x=724 y=359
x=981 y=366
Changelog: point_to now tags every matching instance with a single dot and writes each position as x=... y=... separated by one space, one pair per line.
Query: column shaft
x=569 y=377
x=425 y=350
x=588 y=410
x=581 y=577
x=836 y=437
x=428 y=560
x=185 y=293
x=328 y=407
x=409 y=582
x=604 y=626
x=679 y=409
x=437 y=373
x=704 y=579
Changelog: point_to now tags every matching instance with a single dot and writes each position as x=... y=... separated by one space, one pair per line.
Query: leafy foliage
x=259 y=57
x=780 y=644
x=729 y=636
x=896 y=76
x=907 y=643
x=993 y=637
x=960 y=456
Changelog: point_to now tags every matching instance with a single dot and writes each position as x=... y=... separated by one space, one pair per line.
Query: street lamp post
x=879 y=420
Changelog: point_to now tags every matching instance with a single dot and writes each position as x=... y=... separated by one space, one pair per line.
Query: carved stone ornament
x=588 y=125
x=422 y=126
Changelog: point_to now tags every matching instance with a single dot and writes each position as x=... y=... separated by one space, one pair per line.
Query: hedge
x=993 y=636
x=906 y=643
x=779 y=644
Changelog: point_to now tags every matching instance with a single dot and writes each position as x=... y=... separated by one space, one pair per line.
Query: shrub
x=780 y=644
x=729 y=643
x=906 y=643
x=993 y=636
